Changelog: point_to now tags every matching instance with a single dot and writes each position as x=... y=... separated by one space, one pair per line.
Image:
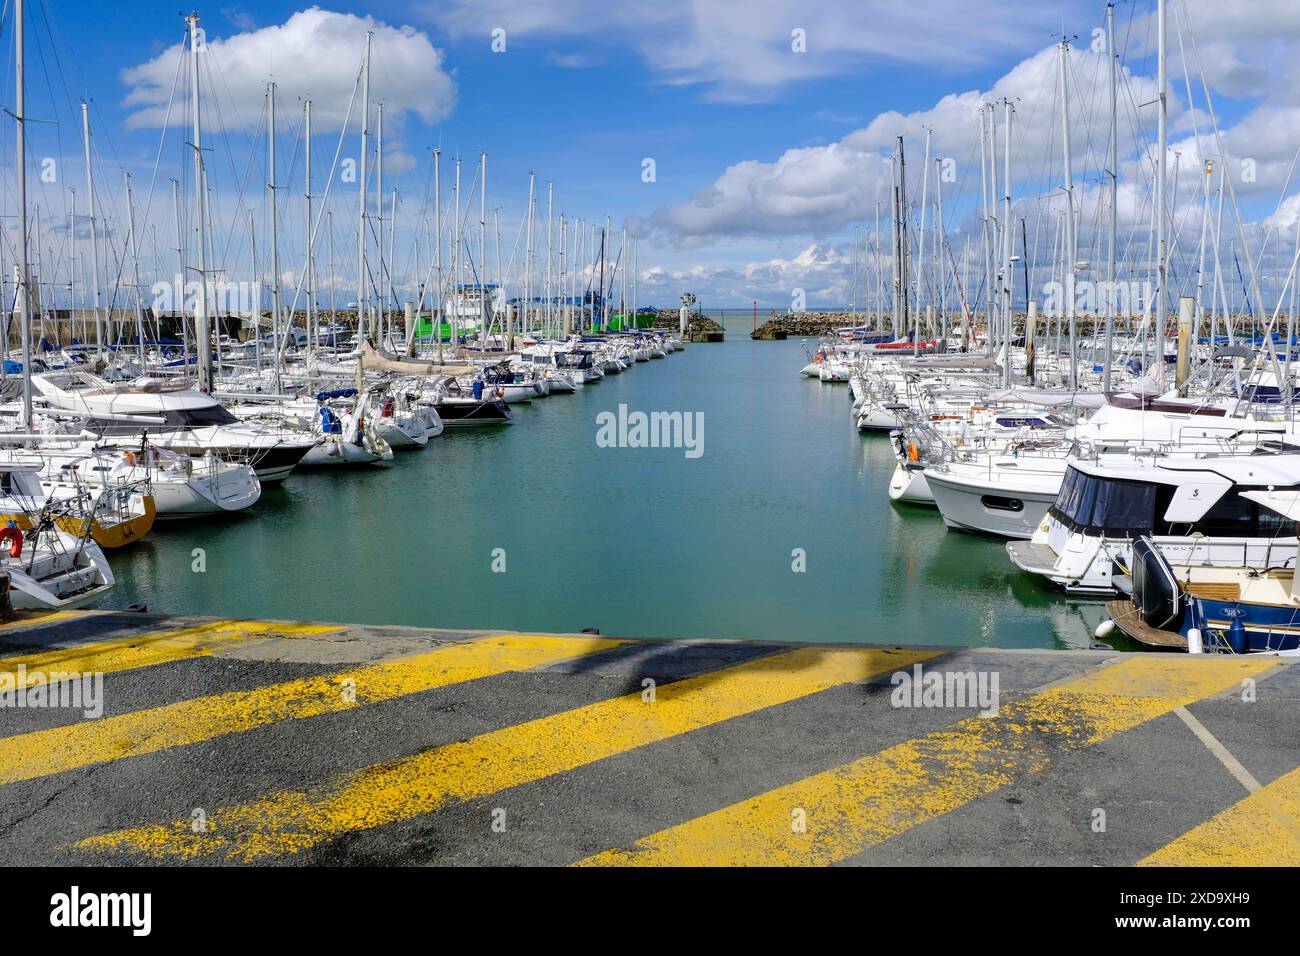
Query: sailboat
x=46 y=544
x=171 y=416
x=181 y=485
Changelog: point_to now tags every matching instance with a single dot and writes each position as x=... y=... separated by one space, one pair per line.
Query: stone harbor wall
x=803 y=323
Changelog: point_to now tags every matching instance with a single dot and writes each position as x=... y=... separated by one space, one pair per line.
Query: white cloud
x=820 y=189
x=315 y=53
x=743 y=52
x=824 y=272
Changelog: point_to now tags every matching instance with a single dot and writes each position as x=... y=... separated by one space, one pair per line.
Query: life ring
x=130 y=457
x=500 y=392
x=913 y=453
x=14 y=535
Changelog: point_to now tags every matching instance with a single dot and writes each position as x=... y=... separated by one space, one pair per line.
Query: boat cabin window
x=1105 y=505
x=1095 y=505
x=198 y=417
x=1233 y=516
x=1010 y=422
x=999 y=503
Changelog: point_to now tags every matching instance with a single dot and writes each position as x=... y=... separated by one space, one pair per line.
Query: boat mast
x=880 y=278
x=94 y=229
x=381 y=329
x=903 y=248
x=456 y=284
x=496 y=233
x=392 y=241
x=1006 y=243
x=486 y=316
x=897 y=303
x=312 y=331
x=361 y=225
x=257 y=300
x=528 y=259
x=435 y=314
x=939 y=243
x=563 y=278
x=920 y=236
x=1071 y=255
x=550 y=203
x=179 y=290
x=1109 y=358
x=135 y=262
x=277 y=342
x=1162 y=146
x=24 y=290
x=202 y=330
x=73 y=262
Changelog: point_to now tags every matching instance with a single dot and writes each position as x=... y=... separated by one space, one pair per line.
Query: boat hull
x=106 y=534
x=271 y=465
x=1003 y=512
x=909 y=486
x=337 y=453
x=1268 y=627
x=466 y=413
x=874 y=418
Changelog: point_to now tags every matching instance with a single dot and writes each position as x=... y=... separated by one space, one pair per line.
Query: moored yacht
x=170 y=416
x=1193 y=507
x=48 y=566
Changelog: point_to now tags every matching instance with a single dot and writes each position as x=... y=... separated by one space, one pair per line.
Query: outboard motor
x=1156 y=593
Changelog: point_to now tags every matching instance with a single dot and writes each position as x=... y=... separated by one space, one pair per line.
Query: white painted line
x=1244 y=776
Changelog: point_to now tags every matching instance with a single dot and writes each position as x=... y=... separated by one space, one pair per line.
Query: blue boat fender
x=1237 y=636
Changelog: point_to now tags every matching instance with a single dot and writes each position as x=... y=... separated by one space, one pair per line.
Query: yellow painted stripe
x=147 y=649
x=60 y=749
x=1261 y=830
x=289 y=821
x=835 y=814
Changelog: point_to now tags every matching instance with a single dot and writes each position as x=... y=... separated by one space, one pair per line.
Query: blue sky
x=766 y=157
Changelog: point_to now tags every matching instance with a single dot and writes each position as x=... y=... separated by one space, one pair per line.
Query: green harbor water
x=634 y=541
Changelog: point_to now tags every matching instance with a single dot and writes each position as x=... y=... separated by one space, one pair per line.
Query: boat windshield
x=1096 y=505
x=198 y=417
x=1105 y=505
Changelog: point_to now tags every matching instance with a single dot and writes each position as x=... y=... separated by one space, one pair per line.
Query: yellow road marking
x=146 y=649
x=289 y=821
x=60 y=749
x=860 y=804
x=1261 y=830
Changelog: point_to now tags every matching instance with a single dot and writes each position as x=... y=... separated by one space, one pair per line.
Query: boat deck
x=1126 y=618
x=240 y=742
x=1031 y=557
